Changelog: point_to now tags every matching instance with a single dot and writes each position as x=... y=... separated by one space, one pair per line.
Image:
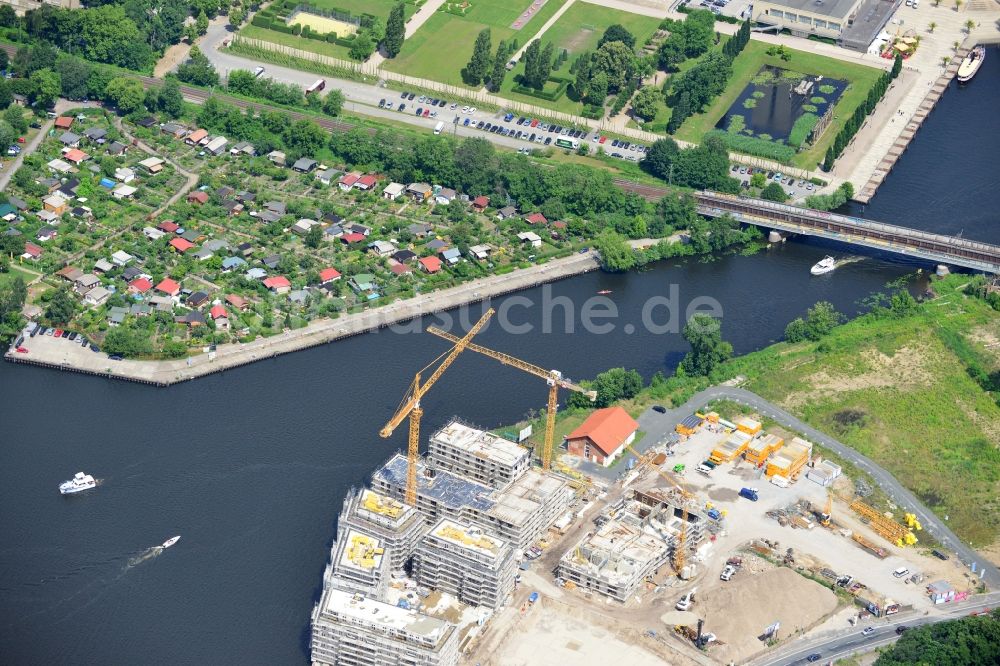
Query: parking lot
x=736 y=8
x=534 y=132
x=796 y=188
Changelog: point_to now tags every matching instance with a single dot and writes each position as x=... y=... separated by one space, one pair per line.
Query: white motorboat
x=78 y=483
x=825 y=265
x=171 y=541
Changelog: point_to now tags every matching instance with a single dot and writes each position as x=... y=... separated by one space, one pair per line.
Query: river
x=250 y=466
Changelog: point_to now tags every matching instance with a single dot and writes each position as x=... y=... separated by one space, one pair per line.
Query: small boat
x=78 y=483
x=825 y=265
x=971 y=64
x=604 y=292
x=171 y=541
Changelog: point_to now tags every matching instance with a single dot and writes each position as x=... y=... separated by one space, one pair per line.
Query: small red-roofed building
x=401 y=269
x=480 y=203
x=181 y=245
x=352 y=238
x=237 y=302
x=169 y=287
x=328 y=275
x=535 y=218
x=76 y=156
x=168 y=226
x=279 y=284
x=64 y=122
x=198 y=197
x=366 y=182
x=430 y=264
x=218 y=310
x=603 y=436
x=140 y=285
x=31 y=251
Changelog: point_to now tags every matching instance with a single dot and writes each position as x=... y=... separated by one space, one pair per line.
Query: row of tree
x=702 y=167
x=691 y=91
x=484 y=68
x=857 y=119
x=613 y=67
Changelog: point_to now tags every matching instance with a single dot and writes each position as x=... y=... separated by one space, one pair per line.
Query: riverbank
x=60 y=354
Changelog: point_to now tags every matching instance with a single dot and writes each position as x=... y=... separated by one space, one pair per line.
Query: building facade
x=398 y=527
x=465 y=561
x=854 y=24
x=351 y=630
x=477 y=455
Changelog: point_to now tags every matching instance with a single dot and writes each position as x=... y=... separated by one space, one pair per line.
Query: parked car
x=402 y=107
x=660 y=409
x=403 y=96
x=381 y=103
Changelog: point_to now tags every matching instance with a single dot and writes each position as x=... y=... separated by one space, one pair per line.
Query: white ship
x=171 y=541
x=77 y=484
x=971 y=64
x=825 y=265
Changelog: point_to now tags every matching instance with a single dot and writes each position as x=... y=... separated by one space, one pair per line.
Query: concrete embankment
x=64 y=355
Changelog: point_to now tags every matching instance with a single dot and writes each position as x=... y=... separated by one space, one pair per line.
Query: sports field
x=443 y=45
x=578 y=31
x=322 y=24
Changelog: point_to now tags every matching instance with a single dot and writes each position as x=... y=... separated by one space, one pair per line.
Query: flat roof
x=467 y=537
x=832 y=8
x=382 y=505
x=449 y=489
x=361 y=551
x=384 y=616
x=521 y=499
x=480 y=443
x=617 y=551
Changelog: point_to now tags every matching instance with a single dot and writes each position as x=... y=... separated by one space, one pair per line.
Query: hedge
x=751 y=145
x=550 y=95
x=802 y=128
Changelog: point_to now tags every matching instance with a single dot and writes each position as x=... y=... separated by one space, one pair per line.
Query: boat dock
x=61 y=354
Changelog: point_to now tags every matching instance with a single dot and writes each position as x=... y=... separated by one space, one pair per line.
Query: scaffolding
x=887 y=528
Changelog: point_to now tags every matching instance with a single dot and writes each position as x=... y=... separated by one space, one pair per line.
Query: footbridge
x=949 y=250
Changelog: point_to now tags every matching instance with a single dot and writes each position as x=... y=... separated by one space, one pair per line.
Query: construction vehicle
x=410 y=405
x=553 y=378
x=687 y=600
x=827 y=513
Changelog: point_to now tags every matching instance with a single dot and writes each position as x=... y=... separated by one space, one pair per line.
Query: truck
x=749 y=493
x=686 y=601
x=714 y=514
x=439 y=127
x=533 y=597
x=318 y=85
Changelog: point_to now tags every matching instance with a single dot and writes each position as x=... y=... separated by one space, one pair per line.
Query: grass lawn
x=443 y=45
x=749 y=62
x=16 y=272
x=577 y=31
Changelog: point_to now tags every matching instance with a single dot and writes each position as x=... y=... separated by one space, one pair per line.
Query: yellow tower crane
x=679 y=552
x=554 y=379
x=410 y=406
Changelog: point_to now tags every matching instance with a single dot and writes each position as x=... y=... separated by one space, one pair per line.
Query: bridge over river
x=937 y=248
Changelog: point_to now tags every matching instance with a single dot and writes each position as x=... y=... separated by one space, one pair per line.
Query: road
x=851 y=641
x=658 y=427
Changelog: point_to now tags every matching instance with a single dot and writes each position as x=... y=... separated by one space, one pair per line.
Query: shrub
x=749 y=103
x=755 y=146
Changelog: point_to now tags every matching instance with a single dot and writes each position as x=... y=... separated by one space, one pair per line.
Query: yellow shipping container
x=732 y=448
x=790 y=460
x=748 y=425
x=761 y=448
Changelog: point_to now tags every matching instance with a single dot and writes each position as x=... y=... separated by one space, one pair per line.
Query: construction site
x=718 y=539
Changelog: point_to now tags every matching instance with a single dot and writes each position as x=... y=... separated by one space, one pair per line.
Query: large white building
x=854 y=24
x=466 y=562
x=477 y=455
x=351 y=630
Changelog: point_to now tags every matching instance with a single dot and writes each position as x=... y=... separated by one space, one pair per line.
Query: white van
x=900 y=572
x=439 y=127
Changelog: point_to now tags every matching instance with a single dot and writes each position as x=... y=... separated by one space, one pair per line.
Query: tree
x=531 y=64
x=127 y=94
x=170 y=100
x=8 y=18
x=758 y=180
x=616 y=255
x=198 y=70
x=958 y=5
x=897 y=66
x=333 y=103
x=61 y=308
x=618 y=62
x=968 y=641
x=476 y=163
x=237 y=14
x=616 y=384
x=395 y=31
x=931 y=26
x=499 y=70
x=14 y=116
x=545 y=64
x=314 y=237
x=305 y=137
x=47 y=87
x=201 y=23
x=597 y=90
x=829 y=160
x=645 y=103
x=73 y=76
x=660 y=158
x=362 y=46
x=774 y=192
x=479 y=66
x=680 y=113
x=12 y=296
x=708 y=349
x=6 y=94
x=820 y=320
x=617 y=33
x=969 y=25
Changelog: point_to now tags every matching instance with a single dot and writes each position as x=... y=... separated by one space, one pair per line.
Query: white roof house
x=60 y=166
x=124 y=175
x=393 y=191
x=121 y=257
x=124 y=191
x=217 y=145
x=152 y=164
x=530 y=237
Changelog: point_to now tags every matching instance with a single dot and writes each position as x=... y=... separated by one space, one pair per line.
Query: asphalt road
x=658 y=427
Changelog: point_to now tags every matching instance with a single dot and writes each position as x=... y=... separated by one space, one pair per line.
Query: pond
x=781 y=105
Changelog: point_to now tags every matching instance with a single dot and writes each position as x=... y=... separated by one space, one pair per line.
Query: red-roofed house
x=76 y=156
x=168 y=227
x=168 y=287
x=218 y=310
x=349 y=239
x=366 y=182
x=348 y=180
x=279 y=284
x=31 y=251
x=328 y=275
x=430 y=264
x=181 y=245
x=64 y=122
x=220 y=317
x=535 y=218
x=196 y=137
x=603 y=436
x=140 y=285
x=198 y=197
x=237 y=302
x=400 y=269
x=480 y=203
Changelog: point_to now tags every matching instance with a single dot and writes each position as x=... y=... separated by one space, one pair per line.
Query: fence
x=483 y=97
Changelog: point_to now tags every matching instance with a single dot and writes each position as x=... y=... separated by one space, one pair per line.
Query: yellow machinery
x=679 y=552
x=824 y=518
x=887 y=528
x=554 y=379
x=410 y=406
